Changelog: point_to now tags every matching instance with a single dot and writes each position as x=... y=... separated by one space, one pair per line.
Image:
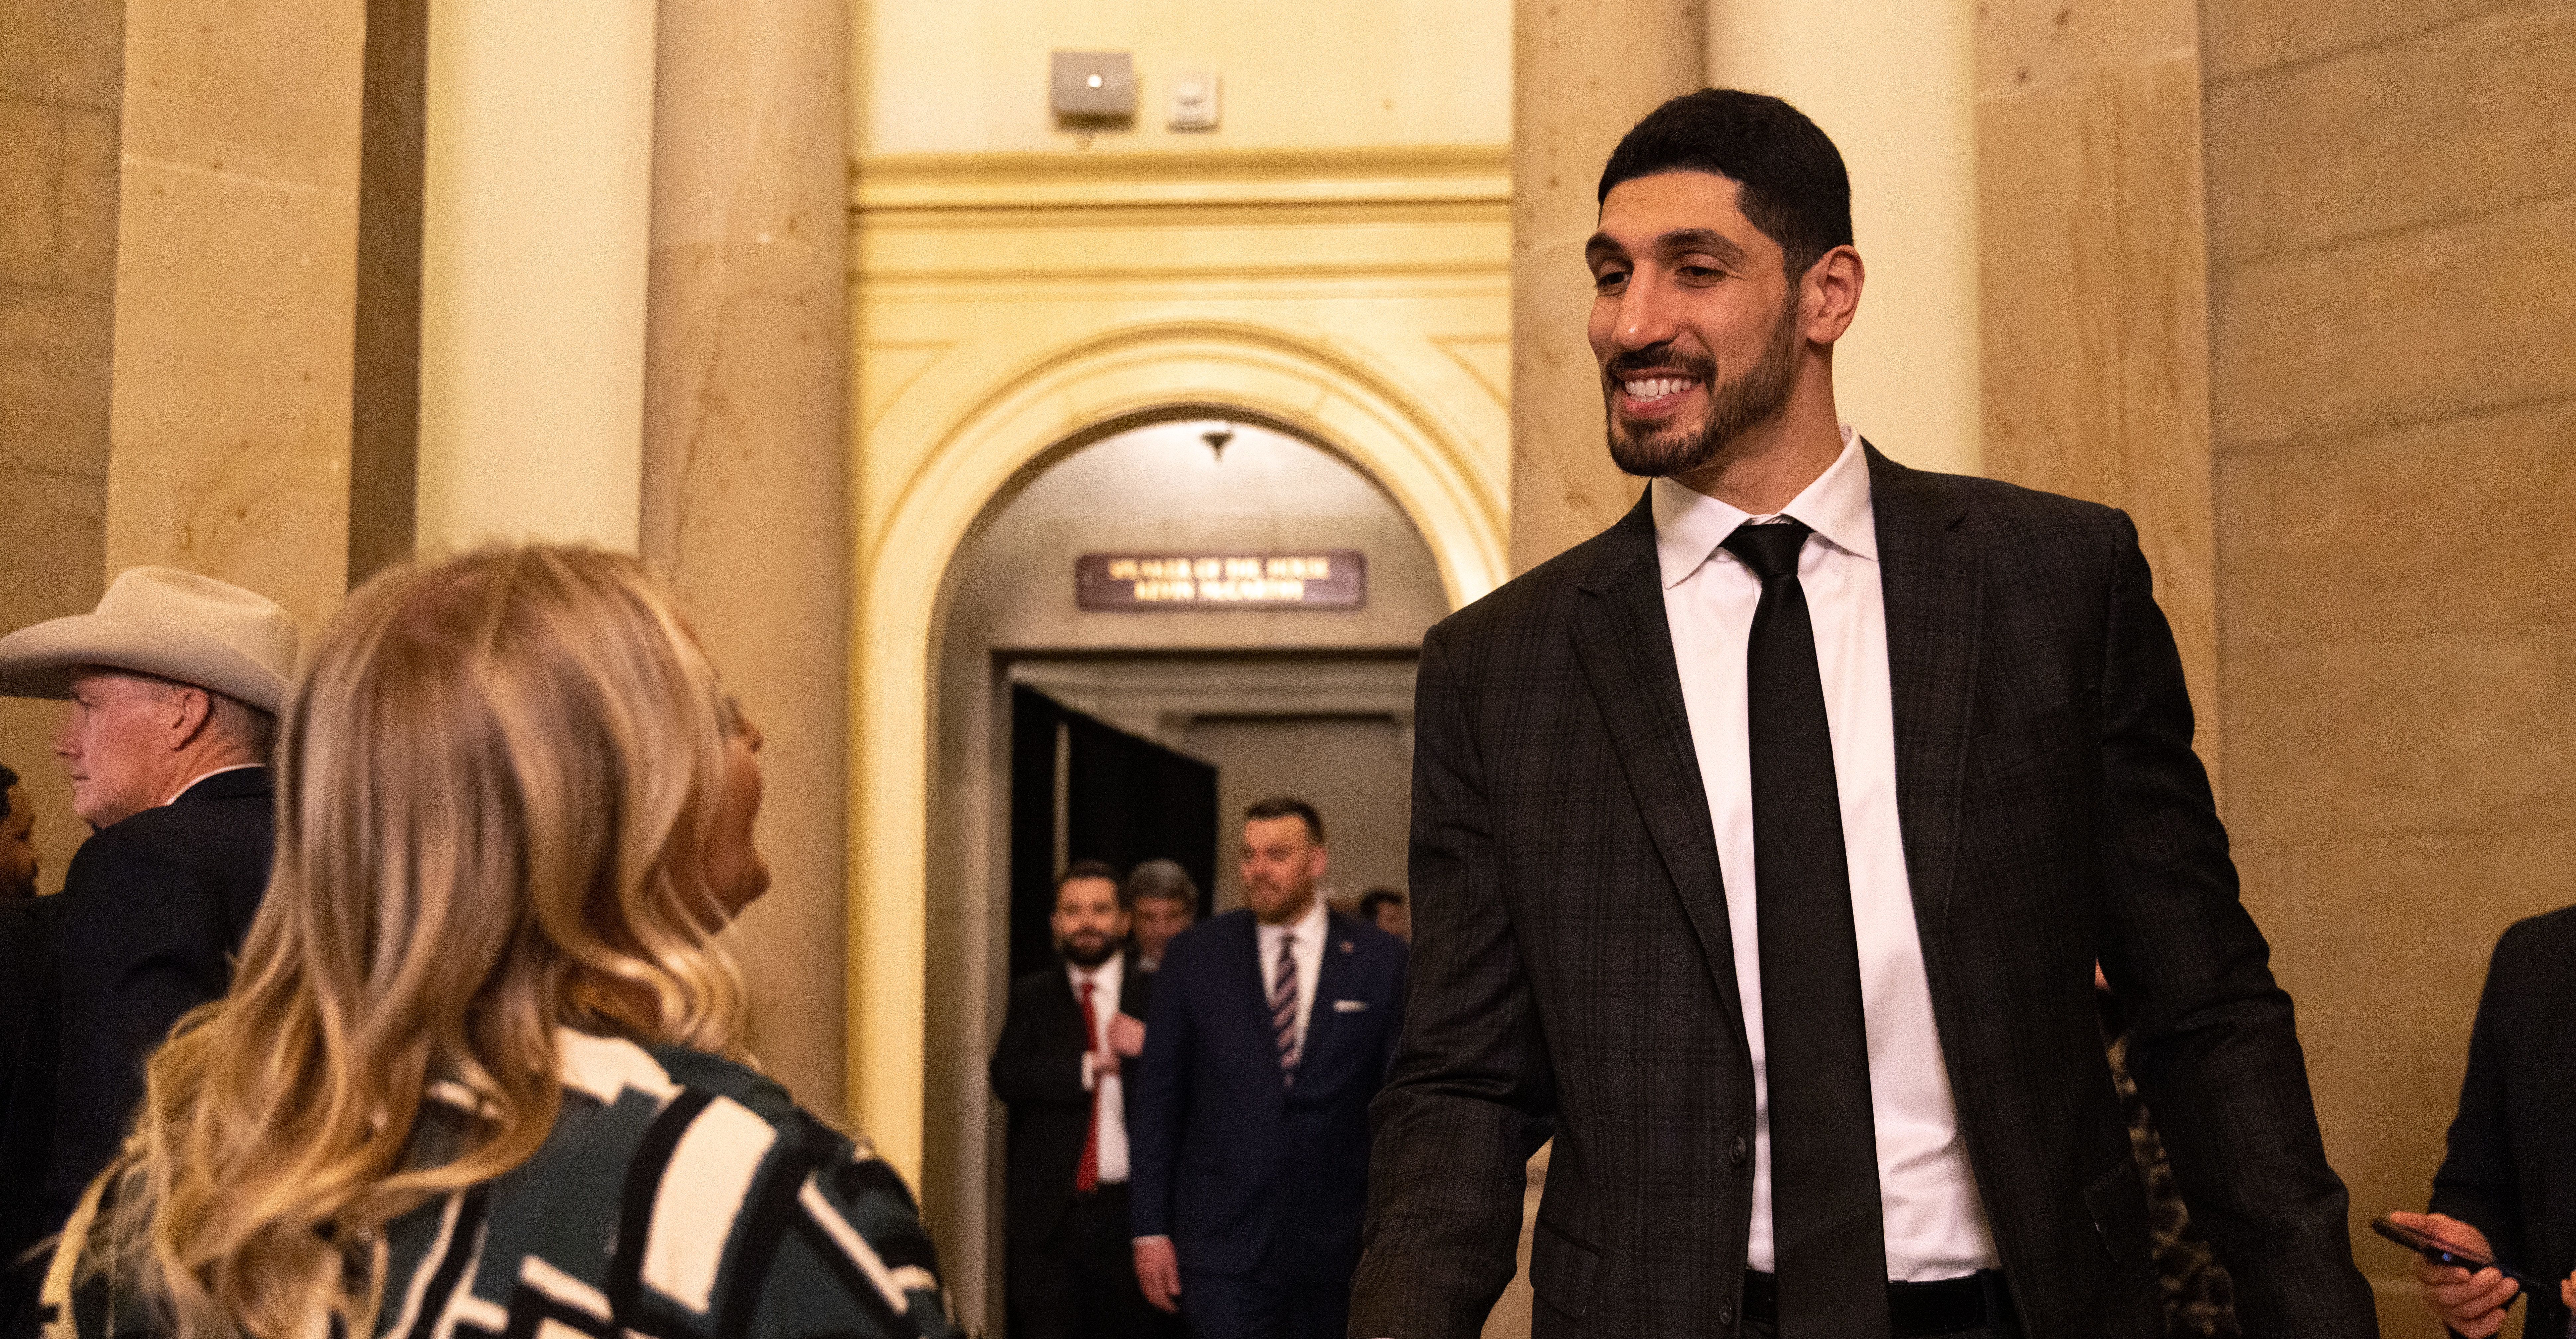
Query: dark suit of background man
x=1959 y=702
x=173 y=687
x=1061 y=1065
x=2507 y=1190
x=1270 y=1032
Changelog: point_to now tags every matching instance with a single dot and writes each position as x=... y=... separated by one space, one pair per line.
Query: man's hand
x=1158 y=1272
x=2473 y=1304
x=1127 y=1035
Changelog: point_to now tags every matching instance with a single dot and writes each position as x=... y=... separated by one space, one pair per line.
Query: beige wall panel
x=231 y=410
x=2394 y=404
x=1323 y=74
x=236 y=281
x=2250 y=36
x=63 y=51
x=2452 y=527
x=53 y=521
x=2025 y=46
x=1585 y=72
x=61 y=65
x=2094 y=325
x=53 y=380
x=264 y=89
x=2470 y=117
x=2396 y=329
x=746 y=462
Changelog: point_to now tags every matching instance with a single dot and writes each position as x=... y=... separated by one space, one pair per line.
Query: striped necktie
x=1283 y=1009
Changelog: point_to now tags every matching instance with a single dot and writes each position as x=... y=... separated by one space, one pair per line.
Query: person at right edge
x=2507 y=1187
x=1819 y=758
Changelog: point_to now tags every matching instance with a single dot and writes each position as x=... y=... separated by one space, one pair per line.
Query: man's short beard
x=1087 y=959
x=1733 y=407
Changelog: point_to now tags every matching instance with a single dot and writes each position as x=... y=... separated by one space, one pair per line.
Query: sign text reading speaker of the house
x=1318 y=579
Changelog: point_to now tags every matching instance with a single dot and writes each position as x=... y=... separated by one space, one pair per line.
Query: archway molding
x=988 y=450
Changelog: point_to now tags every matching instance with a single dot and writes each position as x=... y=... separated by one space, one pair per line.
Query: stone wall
x=62 y=74
x=2393 y=410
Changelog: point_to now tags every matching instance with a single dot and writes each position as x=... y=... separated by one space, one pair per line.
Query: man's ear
x=187 y=714
x=1316 y=860
x=1829 y=295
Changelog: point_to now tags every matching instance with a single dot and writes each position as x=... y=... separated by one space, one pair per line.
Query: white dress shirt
x=1306 y=934
x=1106 y=1105
x=1936 y=1225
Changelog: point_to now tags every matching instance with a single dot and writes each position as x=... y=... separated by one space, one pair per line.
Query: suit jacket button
x=1726 y=1313
x=1736 y=1154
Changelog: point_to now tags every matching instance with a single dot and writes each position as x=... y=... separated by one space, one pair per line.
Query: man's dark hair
x=1092 y=869
x=1793 y=184
x=7 y=780
x=1160 y=878
x=1289 y=806
x=1378 y=897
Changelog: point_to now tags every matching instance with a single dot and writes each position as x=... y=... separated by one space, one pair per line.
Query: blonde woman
x=480 y=1071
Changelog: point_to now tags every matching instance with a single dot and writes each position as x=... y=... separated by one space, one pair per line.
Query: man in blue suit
x=1271 y=1029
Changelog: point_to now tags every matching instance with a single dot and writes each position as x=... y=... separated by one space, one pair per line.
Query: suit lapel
x=1626 y=649
x=1246 y=972
x=1930 y=581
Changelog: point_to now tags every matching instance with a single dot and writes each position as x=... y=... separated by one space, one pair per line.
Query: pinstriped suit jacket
x=1572 y=970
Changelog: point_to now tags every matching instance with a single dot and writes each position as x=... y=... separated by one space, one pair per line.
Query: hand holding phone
x=2455 y=1273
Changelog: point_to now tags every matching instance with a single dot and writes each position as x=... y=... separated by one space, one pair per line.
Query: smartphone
x=2441 y=1253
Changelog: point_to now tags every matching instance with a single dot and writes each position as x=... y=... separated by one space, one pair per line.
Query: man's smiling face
x=1694 y=322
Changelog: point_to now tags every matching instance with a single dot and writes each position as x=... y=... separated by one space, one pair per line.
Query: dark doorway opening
x=1083 y=789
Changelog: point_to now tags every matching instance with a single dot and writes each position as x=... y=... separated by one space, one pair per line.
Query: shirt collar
x=1689 y=525
x=203 y=776
x=1307 y=927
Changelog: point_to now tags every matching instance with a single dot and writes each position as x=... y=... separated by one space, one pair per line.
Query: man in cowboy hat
x=174 y=686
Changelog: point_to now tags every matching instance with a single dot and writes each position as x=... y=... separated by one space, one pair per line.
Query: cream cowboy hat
x=161 y=621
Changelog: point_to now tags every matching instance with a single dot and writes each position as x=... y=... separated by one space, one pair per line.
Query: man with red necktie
x=1070 y=1032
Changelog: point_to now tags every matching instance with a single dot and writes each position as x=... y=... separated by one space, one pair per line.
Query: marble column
x=745 y=464
x=1583 y=71
x=1893 y=82
x=536 y=209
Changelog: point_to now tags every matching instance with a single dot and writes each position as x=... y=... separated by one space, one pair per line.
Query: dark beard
x=1733 y=407
x=1086 y=959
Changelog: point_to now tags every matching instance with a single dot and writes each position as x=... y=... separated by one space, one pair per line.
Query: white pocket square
x=1350 y=1006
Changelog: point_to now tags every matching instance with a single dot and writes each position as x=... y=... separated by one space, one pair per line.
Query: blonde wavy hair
x=497 y=781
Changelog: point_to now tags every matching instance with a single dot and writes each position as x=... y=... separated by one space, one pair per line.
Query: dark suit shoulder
x=1993 y=508
x=2542 y=945
x=1036 y=983
x=231 y=827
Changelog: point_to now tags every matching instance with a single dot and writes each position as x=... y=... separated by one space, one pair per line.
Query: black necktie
x=1825 y=1222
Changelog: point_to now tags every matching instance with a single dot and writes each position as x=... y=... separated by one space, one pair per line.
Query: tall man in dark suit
x=174 y=686
x=2507 y=1189
x=1061 y=1066
x=1763 y=846
x=1271 y=1030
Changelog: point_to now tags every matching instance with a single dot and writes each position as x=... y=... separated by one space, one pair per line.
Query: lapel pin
x=1346 y=946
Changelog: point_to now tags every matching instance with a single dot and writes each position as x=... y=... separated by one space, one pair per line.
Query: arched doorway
x=1315 y=701
x=913 y=522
